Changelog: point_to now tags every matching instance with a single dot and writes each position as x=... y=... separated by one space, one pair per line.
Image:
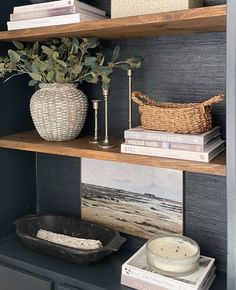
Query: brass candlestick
x=130 y=73
x=95 y=107
x=106 y=143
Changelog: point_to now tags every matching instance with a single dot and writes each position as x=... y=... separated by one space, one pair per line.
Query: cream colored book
x=206 y=156
x=49 y=21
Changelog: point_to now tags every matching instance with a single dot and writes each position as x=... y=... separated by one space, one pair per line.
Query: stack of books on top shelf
x=53 y=13
x=194 y=147
x=137 y=275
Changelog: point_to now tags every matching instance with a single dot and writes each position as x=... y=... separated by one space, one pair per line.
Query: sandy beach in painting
x=139 y=214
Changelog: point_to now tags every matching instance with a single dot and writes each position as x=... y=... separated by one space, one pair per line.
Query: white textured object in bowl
x=123 y=8
x=58 y=111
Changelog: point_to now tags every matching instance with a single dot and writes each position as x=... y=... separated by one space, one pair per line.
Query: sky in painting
x=141 y=179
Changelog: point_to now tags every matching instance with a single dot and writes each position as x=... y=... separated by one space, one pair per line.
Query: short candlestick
x=95 y=108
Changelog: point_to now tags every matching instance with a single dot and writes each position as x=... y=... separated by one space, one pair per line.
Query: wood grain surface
x=31 y=141
x=167 y=23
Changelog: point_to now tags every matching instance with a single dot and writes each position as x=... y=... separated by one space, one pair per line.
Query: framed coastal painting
x=134 y=199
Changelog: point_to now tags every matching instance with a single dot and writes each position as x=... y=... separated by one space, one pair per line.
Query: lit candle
x=173 y=255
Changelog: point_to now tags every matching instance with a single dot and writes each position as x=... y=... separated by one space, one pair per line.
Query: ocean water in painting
x=138 y=200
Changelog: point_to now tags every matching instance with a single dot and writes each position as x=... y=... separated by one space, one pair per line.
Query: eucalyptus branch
x=66 y=60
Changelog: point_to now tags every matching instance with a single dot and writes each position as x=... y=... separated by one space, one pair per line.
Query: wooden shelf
x=30 y=141
x=189 y=21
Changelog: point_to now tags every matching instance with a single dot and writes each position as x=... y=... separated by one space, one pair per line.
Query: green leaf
x=36 y=47
x=106 y=82
x=50 y=76
x=28 y=66
x=62 y=63
x=2 y=67
x=14 y=56
x=35 y=68
x=77 y=69
x=23 y=57
x=48 y=51
x=106 y=70
x=102 y=60
x=60 y=78
x=135 y=62
x=55 y=55
x=116 y=53
x=36 y=76
x=90 y=79
x=18 y=45
x=125 y=66
x=92 y=42
x=32 y=83
x=91 y=60
x=75 y=41
x=75 y=48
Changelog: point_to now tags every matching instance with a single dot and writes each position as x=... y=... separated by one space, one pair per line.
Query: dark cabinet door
x=15 y=279
x=67 y=287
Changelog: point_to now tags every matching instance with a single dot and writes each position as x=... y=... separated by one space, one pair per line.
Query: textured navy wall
x=17 y=169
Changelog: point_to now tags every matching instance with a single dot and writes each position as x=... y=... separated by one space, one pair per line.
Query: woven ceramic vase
x=58 y=111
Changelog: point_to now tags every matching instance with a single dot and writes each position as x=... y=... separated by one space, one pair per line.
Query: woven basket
x=178 y=118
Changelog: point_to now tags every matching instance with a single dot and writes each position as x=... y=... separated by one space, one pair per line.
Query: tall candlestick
x=130 y=73
x=106 y=143
x=95 y=107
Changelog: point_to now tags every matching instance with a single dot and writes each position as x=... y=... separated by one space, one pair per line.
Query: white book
x=211 y=280
x=58 y=4
x=49 y=21
x=52 y=12
x=138 y=268
x=206 y=156
x=138 y=284
x=197 y=139
x=172 y=145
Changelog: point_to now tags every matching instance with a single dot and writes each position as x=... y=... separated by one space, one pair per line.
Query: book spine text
x=155 y=136
x=166 y=153
x=165 y=145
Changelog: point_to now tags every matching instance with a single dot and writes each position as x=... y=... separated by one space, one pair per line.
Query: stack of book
x=53 y=13
x=195 y=147
x=137 y=275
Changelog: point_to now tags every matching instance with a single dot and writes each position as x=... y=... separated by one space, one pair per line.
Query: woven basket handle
x=213 y=100
x=141 y=99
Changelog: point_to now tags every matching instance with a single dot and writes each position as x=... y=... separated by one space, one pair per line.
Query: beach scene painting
x=133 y=199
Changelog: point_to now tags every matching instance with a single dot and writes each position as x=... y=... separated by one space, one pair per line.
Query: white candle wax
x=173 y=255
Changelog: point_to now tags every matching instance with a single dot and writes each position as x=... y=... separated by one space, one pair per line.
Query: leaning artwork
x=134 y=199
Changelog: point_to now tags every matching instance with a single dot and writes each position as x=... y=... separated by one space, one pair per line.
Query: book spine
x=48 y=21
x=139 y=284
x=53 y=12
x=166 y=153
x=47 y=5
x=59 y=4
x=208 y=279
x=153 y=279
x=42 y=13
x=156 y=136
x=165 y=145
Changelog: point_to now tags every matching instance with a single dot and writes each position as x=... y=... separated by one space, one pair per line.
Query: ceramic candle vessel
x=173 y=255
